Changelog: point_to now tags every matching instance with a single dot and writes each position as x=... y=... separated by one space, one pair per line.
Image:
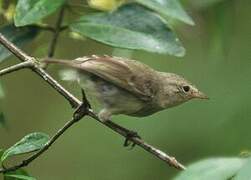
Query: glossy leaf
x=131 y=26
x=168 y=8
x=215 y=168
x=19 y=174
x=17 y=177
x=31 y=142
x=245 y=172
x=19 y=36
x=31 y=11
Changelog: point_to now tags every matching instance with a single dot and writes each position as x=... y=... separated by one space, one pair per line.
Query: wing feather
x=133 y=76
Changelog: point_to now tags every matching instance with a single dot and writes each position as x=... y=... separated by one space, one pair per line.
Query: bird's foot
x=131 y=134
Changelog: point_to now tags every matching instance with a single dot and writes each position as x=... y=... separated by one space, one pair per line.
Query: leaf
x=133 y=27
x=17 y=175
x=31 y=11
x=245 y=172
x=19 y=36
x=214 y=168
x=31 y=142
x=168 y=8
x=105 y=5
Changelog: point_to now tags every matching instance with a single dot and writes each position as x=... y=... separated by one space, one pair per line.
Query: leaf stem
x=57 y=31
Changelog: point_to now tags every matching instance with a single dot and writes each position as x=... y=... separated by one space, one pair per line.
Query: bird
x=129 y=87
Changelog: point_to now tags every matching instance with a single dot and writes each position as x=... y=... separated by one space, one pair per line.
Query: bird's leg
x=129 y=134
x=104 y=115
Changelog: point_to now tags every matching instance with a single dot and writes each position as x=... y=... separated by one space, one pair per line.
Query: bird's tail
x=69 y=74
x=67 y=63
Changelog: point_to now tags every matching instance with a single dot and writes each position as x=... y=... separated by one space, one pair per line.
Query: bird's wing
x=130 y=75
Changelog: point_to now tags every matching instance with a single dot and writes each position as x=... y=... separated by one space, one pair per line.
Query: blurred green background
x=218 y=61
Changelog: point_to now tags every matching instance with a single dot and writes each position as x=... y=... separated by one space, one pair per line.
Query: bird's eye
x=186 y=88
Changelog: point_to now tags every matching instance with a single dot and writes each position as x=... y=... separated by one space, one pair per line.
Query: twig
x=75 y=102
x=36 y=68
x=77 y=116
x=16 y=67
x=56 y=33
x=158 y=153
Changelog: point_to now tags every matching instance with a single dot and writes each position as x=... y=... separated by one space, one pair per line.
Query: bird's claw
x=129 y=136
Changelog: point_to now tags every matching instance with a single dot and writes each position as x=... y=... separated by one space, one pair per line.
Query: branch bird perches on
x=35 y=66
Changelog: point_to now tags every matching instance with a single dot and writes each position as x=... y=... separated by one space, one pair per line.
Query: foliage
x=31 y=142
x=217 y=169
x=133 y=26
x=141 y=25
x=141 y=29
x=30 y=11
x=19 y=174
x=19 y=36
x=136 y=22
x=168 y=9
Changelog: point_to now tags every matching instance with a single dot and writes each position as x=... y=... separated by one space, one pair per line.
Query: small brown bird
x=124 y=86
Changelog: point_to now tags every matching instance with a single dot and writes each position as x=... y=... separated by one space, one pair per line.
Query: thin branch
x=151 y=149
x=60 y=132
x=36 y=68
x=56 y=33
x=16 y=67
x=76 y=103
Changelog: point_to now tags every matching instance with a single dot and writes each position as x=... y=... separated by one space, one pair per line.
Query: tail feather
x=68 y=63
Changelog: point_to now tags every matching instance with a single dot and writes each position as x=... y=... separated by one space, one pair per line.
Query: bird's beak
x=200 y=95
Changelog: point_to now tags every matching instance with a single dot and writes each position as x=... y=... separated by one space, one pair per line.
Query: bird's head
x=177 y=90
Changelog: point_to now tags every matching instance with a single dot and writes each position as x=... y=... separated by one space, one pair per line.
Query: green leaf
x=31 y=11
x=17 y=175
x=214 y=168
x=131 y=26
x=168 y=8
x=245 y=172
x=19 y=36
x=31 y=142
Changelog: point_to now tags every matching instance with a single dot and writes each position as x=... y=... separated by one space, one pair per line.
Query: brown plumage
x=129 y=87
